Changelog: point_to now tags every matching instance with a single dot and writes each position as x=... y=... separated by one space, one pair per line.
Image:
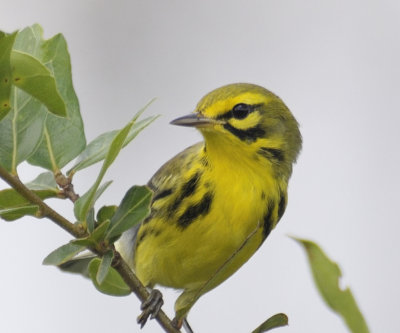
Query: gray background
x=335 y=64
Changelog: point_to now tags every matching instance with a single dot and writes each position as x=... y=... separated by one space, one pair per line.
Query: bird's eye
x=240 y=111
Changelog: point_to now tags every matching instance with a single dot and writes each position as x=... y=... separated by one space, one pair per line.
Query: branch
x=77 y=231
x=45 y=211
x=141 y=292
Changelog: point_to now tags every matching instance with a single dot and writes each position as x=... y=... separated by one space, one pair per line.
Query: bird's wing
x=170 y=174
x=163 y=183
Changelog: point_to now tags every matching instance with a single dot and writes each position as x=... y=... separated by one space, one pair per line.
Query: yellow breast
x=232 y=204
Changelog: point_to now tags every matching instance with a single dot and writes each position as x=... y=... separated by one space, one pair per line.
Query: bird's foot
x=151 y=307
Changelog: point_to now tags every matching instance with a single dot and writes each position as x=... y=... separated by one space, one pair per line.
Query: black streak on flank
x=147 y=232
x=271 y=153
x=162 y=194
x=148 y=218
x=193 y=212
x=187 y=190
x=282 y=206
x=204 y=161
x=250 y=134
x=268 y=219
x=189 y=187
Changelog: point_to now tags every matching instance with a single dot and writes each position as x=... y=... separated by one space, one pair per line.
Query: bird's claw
x=151 y=307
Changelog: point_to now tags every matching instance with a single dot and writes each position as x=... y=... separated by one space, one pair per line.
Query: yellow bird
x=216 y=202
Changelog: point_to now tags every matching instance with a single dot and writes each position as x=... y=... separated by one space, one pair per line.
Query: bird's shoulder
x=170 y=174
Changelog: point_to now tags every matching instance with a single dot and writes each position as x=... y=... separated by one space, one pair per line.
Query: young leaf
x=90 y=217
x=96 y=150
x=99 y=233
x=104 y=267
x=326 y=275
x=86 y=202
x=134 y=208
x=63 y=138
x=63 y=254
x=6 y=44
x=88 y=199
x=30 y=75
x=106 y=213
x=113 y=284
x=278 y=320
x=45 y=181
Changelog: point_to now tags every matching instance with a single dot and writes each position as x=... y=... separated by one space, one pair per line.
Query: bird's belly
x=206 y=252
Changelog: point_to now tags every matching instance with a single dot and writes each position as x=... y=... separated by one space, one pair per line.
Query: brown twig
x=77 y=231
x=65 y=183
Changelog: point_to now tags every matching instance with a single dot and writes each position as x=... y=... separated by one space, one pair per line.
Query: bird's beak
x=194 y=120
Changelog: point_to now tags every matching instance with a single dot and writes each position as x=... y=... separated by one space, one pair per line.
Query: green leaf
x=113 y=284
x=90 y=217
x=12 y=214
x=99 y=233
x=63 y=254
x=6 y=44
x=86 y=202
x=96 y=150
x=106 y=213
x=30 y=75
x=278 y=320
x=90 y=220
x=14 y=206
x=79 y=265
x=134 y=208
x=95 y=237
x=45 y=181
x=21 y=130
x=29 y=131
x=87 y=242
x=326 y=275
x=63 y=138
x=104 y=267
x=10 y=198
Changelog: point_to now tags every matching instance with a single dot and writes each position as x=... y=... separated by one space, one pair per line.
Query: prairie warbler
x=216 y=202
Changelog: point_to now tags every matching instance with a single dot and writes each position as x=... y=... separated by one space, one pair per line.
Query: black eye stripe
x=229 y=114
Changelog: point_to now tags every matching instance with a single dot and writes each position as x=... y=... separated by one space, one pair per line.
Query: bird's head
x=249 y=118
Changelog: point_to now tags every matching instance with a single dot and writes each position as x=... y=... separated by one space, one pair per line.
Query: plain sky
x=334 y=63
